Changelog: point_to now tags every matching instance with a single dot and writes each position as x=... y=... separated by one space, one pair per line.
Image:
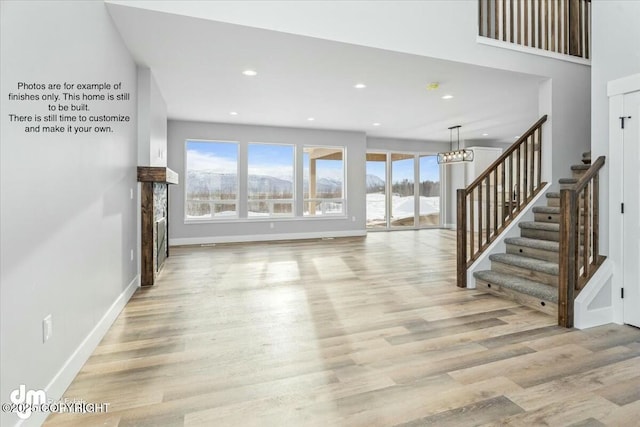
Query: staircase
x=528 y=272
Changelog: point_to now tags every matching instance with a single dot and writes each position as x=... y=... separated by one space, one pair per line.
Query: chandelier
x=454 y=156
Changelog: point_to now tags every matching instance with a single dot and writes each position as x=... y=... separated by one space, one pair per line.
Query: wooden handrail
x=512 y=148
x=589 y=175
x=579 y=239
x=560 y=26
x=484 y=212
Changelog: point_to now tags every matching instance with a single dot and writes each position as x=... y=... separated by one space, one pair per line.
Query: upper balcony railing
x=561 y=26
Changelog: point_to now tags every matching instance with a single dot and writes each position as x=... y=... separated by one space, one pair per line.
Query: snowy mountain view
x=200 y=184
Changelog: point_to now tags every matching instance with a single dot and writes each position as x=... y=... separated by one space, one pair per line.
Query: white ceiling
x=198 y=65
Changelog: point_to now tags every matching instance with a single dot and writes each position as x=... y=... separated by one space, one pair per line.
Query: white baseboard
x=264 y=237
x=61 y=381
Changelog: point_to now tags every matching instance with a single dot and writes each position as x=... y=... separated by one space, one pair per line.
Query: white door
x=631 y=217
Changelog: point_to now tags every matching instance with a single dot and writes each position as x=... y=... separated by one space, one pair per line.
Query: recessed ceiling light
x=447 y=97
x=311 y=119
x=376 y=124
x=250 y=73
x=234 y=113
x=360 y=86
x=485 y=134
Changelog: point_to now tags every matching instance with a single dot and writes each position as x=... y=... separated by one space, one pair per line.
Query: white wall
x=616 y=54
x=437 y=28
x=67 y=220
x=258 y=229
x=152 y=121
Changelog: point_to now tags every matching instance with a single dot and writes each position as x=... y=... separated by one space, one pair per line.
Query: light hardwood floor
x=348 y=332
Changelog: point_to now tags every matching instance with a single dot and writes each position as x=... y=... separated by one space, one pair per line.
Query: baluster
x=518 y=179
x=587 y=25
x=480 y=8
x=566 y=26
x=511 y=39
x=586 y=251
x=539 y=46
x=554 y=5
x=462 y=238
x=532 y=171
x=496 y=21
x=539 y=135
x=503 y=202
x=596 y=218
x=480 y=217
x=525 y=172
x=504 y=20
x=471 y=224
x=511 y=187
x=519 y=21
x=495 y=202
x=526 y=19
x=488 y=208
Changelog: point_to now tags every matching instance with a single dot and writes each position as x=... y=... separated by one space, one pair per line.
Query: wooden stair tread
x=519 y=284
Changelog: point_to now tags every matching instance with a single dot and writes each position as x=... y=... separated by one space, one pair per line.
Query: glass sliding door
x=403 y=201
x=429 y=191
x=376 y=190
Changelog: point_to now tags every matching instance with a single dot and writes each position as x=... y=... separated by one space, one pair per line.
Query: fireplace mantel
x=154 y=211
x=157 y=174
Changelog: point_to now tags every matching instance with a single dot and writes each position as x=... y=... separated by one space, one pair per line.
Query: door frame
x=388 y=190
x=616 y=89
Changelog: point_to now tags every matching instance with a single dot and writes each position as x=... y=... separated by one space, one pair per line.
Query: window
x=211 y=180
x=403 y=190
x=270 y=185
x=376 y=190
x=429 y=191
x=323 y=181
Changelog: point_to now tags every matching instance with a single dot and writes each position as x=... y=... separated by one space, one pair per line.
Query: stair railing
x=579 y=239
x=494 y=199
x=561 y=26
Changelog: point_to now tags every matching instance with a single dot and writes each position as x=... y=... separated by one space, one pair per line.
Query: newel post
x=461 y=224
x=568 y=249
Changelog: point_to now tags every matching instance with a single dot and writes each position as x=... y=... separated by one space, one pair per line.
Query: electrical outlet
x=131 y=254
x=131 y=193
x=47 y=328
x=271 y=225
x=353 y=219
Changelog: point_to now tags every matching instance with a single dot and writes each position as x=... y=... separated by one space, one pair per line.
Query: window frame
x=242 y=196
x=271 y=202
x=321 y=200
x=212 y=203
